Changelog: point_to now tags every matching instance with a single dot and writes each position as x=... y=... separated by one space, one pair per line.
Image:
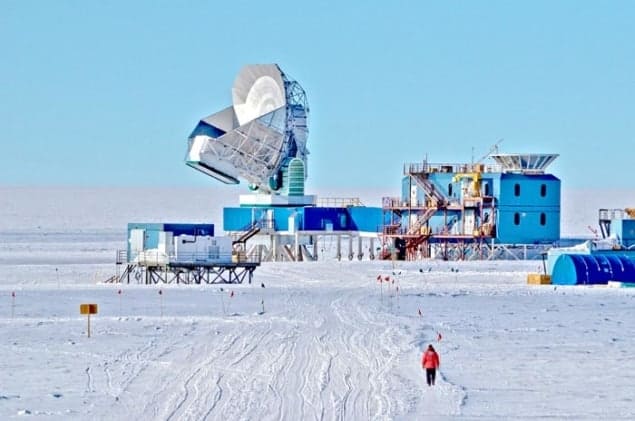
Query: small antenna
x=492 y=149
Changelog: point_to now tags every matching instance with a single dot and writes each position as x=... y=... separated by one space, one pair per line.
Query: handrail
x=339 y=202
x=154 y=258
x=426 y=168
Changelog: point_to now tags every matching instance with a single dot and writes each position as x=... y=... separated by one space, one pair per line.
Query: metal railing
x=426 y=168
x=153 y=258
x=339 y=202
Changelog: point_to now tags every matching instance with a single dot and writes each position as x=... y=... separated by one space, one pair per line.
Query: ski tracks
x=341 y=357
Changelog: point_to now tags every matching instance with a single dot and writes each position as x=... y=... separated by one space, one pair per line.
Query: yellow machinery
x=475 y=175
x=630 y=212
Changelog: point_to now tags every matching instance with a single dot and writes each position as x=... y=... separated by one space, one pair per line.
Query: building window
x=543 y=218
x=516 y=189
x=450 y=189
x=543 y=190
x=516 y=218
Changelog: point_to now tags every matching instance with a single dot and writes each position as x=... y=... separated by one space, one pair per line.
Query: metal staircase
x=246 y=235
x=415 y=228
x=437 y=197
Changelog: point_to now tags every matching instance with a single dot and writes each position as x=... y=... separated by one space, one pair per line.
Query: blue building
x=181 y=253
x=291 y=232
x=469 y=206
x=618 y=224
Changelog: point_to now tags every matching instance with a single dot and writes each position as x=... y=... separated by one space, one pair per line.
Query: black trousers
x=430 y=375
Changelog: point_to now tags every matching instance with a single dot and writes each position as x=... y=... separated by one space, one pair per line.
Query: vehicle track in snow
x=336 y=356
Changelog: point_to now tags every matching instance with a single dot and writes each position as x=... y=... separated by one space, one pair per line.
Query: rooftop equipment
x=535 y=163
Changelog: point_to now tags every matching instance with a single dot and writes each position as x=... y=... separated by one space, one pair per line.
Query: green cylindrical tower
x=295 y=177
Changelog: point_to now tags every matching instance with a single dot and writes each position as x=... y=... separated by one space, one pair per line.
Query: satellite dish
x=257 y=137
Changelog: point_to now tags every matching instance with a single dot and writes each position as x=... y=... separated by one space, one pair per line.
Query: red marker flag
x=387 y=279
x=439 y=337
x=119 y=292
x=231 y=294
x=13 y=294
x=378 y=278
x=160 y=292
x=420 y=314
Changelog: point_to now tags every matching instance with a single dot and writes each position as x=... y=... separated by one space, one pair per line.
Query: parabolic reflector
x=258 y=90
x=256 y=137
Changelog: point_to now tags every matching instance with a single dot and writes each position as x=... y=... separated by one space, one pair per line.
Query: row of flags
x=391 y=281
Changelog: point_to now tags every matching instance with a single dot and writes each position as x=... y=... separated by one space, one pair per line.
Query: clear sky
x=106 y=92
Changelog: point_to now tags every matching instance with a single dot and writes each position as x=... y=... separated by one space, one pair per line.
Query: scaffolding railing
x=608 y=214
x=339 y=202
x=426 y=168
x=155 y=258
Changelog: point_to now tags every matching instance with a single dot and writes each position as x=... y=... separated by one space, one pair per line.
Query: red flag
x=420 y=314
x=393 y=282
x=231 y=294
x=439 y=337
x=379 y=278
x=119 y=292
x=160 y=292
x=13 y=294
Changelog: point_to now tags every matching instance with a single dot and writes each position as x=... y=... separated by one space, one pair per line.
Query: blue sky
x=106 y=93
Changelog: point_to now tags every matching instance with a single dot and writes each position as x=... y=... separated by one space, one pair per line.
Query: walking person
x=430 y=362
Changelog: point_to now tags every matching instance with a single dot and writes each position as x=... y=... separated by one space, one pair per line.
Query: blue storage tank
x=588 y=269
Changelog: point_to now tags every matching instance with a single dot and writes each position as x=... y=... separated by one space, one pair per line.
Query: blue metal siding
x=405 y=189
x=530 y=190
x=366 y=219
x=538 y=194
x=441 y=182
x=237 y=219
x=624 y=229
x=189 y=229
x=151 y=240
x=529 y=230
x=487 y=186
x=316 y=219
x=281 y=218
x=156 y=226
x=174 y=228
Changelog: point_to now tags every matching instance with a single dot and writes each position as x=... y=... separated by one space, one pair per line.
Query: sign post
x=12 y=304
x=88 y=309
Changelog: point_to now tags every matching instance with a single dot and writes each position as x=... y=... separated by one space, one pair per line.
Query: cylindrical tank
x=296 y=177
x=587 y=269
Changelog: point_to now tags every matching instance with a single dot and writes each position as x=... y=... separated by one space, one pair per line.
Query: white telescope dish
x=256 y=138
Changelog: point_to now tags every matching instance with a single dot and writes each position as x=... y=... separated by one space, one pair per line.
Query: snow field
x=332 y=344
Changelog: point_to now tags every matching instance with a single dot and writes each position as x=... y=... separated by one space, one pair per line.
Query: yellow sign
x=538 y=279
x=88 y=309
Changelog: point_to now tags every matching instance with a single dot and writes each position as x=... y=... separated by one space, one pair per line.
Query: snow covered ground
x=332 y=343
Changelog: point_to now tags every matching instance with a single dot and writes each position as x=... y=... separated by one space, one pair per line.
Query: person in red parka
x=430 y=362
